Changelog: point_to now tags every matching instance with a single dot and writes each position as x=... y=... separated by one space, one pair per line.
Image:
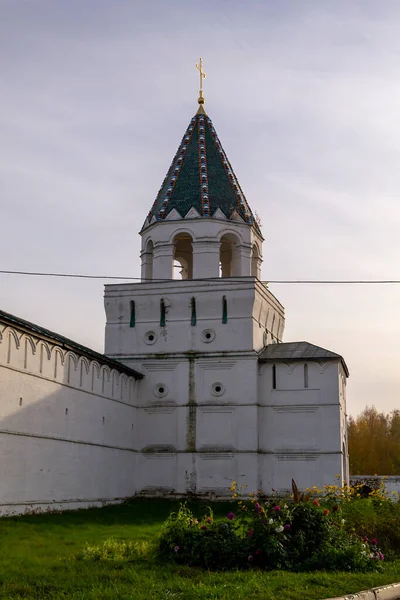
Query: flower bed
x=300 y=533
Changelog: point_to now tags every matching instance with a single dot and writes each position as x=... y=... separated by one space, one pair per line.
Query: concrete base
x=30 y=508
x=386 y=592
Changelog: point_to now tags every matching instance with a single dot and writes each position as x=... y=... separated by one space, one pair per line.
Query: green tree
x=374 y=443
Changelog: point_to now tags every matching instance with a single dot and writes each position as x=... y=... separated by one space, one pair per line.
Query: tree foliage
x=374 y=443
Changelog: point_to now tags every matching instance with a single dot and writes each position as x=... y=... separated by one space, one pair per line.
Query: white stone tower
x=197 y=338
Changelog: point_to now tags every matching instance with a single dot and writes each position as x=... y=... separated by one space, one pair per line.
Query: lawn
x=38 y=552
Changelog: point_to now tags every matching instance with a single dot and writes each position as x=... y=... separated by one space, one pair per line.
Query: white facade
x=196 y=388
x=212 y=407
x=302 y=424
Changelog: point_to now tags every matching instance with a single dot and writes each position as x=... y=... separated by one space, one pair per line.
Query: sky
x=95 y=96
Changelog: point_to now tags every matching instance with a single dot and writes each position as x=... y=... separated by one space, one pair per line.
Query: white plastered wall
x=301 y=429
x=67 y=427
x=201 y=431
x=252 y=312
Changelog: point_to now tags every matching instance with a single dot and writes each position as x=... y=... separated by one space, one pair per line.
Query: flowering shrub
x=203 y=542
x=369 y=513
x=300 y=533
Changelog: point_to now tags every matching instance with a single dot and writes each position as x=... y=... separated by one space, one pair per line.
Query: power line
x=236 y=279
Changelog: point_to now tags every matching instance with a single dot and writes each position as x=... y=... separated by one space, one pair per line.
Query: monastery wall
x=67 y=425
x=390 y=483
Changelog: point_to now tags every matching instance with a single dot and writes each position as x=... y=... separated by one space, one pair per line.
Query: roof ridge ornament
x=202 y=74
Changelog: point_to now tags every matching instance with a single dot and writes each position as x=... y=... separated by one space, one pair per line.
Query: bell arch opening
x=183 y=256
x=229 y=256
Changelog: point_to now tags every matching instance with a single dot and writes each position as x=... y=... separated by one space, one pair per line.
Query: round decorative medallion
x=207 y=336
x=150 y=337
x=160 y=390
x=217 y=389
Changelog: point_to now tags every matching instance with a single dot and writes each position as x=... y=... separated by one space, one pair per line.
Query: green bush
x=375 y=518
x=206 y=543
x=275 y=535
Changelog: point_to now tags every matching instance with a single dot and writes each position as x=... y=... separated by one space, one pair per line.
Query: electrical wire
x=231 y=279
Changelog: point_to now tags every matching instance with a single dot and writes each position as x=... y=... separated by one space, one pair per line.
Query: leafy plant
x=294 y=534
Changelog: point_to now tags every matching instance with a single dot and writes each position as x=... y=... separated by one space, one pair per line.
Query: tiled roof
x=298 y=351
x=8 y=319
x=201 y=177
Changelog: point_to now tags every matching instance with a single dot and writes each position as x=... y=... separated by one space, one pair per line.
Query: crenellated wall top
x=37 y=351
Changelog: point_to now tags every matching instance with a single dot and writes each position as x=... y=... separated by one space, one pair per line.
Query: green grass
x=37 y=561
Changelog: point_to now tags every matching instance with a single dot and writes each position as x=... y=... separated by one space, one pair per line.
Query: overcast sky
x=95 y=96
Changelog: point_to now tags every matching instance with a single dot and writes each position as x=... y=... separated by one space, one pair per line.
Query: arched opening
x=183 y=256
x=147 y=260
x=229 y=256
x=255 y=261
x=224 y=310
x=193 y=318
x=306 y=376
x=274 y=377
x=162 y=313
x=132 y=320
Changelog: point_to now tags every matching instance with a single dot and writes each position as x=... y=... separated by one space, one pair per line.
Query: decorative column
x=242 y=261
x=147 y=265
x=206 y=259
x=163 y=260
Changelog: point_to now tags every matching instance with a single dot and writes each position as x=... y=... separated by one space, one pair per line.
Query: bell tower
x=200 y=218
x=195 y=323
x=202 y=245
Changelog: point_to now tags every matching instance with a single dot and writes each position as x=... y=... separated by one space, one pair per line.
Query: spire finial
x=199 y=66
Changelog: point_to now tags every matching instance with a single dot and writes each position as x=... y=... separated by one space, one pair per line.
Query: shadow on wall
x=67 y=425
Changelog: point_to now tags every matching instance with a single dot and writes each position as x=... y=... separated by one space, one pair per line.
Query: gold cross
x=202 y=73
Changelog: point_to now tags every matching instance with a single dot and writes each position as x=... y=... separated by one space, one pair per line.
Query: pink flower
x=250 y=532
x=277 y=508
x=203 y=527
x=250 y=558
x=257 y=552
x=176 y=548
x=257 y=508
x=374 y=542
x=231 y=516
x=287 y=527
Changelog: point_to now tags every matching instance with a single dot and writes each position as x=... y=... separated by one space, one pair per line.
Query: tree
x=374 y=443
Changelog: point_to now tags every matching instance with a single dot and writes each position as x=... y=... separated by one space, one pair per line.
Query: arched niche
x=183 y=256
x=229 y=255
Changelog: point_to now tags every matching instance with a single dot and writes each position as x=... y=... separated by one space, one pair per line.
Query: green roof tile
x=201 y=177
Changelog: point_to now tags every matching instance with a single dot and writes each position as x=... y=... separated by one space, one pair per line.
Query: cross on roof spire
x=199 y=66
